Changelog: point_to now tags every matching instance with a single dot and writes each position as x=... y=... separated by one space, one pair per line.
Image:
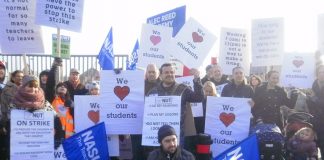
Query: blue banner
x=131 y=63
x=88 y=144
x=246 y=149
x=106 y=54
x=175 y=18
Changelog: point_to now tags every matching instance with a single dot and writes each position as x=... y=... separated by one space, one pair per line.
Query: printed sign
x=160 y=110
x=59 y=153
x=227 y=121
x=153 y=43
x=267 y=41
x=18 y=33
x=32 y=135
x=87 y=109
x=187 y=80
x=174 y=18
x=192 y=44
x=197 y=109
x=123 y=97
x=298 y=70
x=65 y=46
x=234 y=50
x=64 y=14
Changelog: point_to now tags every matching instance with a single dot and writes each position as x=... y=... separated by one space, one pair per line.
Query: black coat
x=238 y=91
x=180 y=154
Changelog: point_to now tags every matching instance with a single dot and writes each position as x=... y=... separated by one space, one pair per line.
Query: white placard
x=219 y=89
x=18 y=33
x=320 y=29
x=227 y=121
x=154 y=41
x=197 y=109
x=178 y=66
x=187 y=80
x=86 y=113
x=59 y=153
x=32 y=135
x=160 y=110
x=123 y=100
x=192 y=44
x=298 y=70
x=267 y=41
x=64 y=14
x=234 y=50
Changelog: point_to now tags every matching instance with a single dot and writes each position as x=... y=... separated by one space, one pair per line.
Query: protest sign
x=187 y=80
x=31 y=135
x=65 y=46
x=320 y=29
x=160 y=110
x=18 y=33
x=59 y=153
x=123 y=100
x=219 y=89
x=227 y=121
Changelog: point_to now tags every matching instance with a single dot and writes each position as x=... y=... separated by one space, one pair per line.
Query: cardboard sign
x=64 y=14
x=267 y=41
x=160 y=110
x=298 y=70
x=174 y=18
x=32 y=135
x=123 y=100
x=234 y=50
x=18 y=33
x=192 y=44
x=228 y=121
x=86 y=113
x=154 y=41
x=65 y=46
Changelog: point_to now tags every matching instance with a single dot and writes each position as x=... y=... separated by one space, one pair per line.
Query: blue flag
x=174 y=18
x=87 y=144
x=131 y=63
x=246 y=149
x=106 y=54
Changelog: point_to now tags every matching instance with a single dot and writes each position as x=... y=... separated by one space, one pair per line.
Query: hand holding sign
x=195 y=72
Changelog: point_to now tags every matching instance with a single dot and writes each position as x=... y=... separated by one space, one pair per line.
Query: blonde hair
x=211 y=85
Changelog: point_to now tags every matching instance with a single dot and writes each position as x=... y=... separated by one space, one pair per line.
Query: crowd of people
x=268 y=100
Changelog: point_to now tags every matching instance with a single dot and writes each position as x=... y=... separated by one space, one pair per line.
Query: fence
x=38 y=63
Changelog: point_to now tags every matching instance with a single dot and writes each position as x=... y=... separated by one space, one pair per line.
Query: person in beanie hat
x=169 y=148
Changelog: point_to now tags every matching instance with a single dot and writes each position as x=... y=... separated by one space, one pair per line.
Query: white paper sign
x=192 y=44
x=219 y=89
x=234 y=50
x=32 y=135
x=160 y=110
x=267 y=41
x=227 y=121
x=177 y=65
x=320 y=34
x=86 y=113
x=64 y=14
x=18 y=33
x=187 y=80
x=59 y=153
x=197 y=109
x=123 y=101
x=298 y=70
x=154 y=41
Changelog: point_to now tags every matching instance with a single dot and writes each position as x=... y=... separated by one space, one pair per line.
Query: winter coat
x=180 y=154
x=238 y=91
x=79 y=90
x=7 y=95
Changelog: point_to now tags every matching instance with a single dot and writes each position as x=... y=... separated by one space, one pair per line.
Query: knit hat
x=165 y=131
x=93 y=85
x=27 y=78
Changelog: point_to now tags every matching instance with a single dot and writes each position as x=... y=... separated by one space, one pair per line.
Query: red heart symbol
x=121 y=92
x=94 y=116
x=227 y=118
x=196 y=37
x=155 y=39
x=298 y=63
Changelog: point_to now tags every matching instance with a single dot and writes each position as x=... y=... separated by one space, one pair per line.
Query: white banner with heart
x=298 y=70
x=154 y=41
x=227 y=121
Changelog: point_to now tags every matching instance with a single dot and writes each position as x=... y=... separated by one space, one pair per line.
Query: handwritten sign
x=228 y=121
x=18 y=33
x=160 y=110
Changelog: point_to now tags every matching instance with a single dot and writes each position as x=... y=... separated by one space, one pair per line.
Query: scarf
x=28 y=100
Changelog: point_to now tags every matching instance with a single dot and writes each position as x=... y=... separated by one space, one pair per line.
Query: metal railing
x=38 y=63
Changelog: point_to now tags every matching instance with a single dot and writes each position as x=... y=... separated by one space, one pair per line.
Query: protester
x=268 y=99
x=43 y=76
x=209 y=90
x=219 y=78
x=169 y=87
x=209 y=74
x=151 y=77
x=169 y=148
x=3 y=149
x=237 y=87
x=2 y=73
x=315 y=104
x=31 y=97
x=255 y=81
x=94 y=88
x=74 y=86
x=64 y=112
x=51 y=80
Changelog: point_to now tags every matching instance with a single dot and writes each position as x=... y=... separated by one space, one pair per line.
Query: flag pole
x=58 y=51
